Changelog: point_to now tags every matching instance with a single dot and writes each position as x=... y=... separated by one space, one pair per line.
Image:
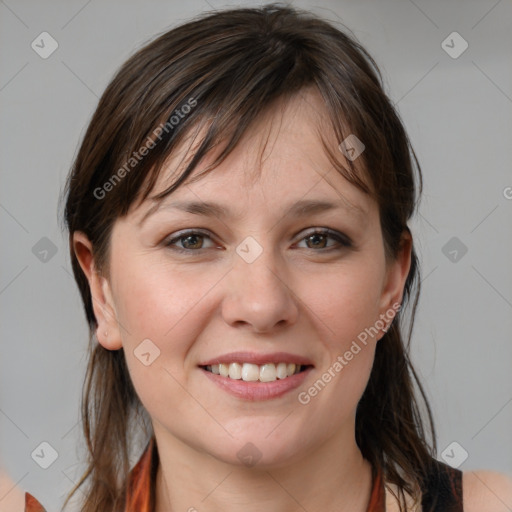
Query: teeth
x=235 y=371
x=281 y=371
x=267 y=372
x=249 y=372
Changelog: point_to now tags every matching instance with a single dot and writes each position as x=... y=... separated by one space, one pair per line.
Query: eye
x=190 y=241
x=194 y=241
x=318 y=239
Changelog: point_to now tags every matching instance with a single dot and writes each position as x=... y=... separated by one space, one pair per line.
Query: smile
x=253 y=376
x=249 y=372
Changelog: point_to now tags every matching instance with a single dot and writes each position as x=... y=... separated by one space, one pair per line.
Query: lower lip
x=258 y=391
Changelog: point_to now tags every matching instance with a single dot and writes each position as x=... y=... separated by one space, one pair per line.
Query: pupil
x=316 y=237
x=189 y=237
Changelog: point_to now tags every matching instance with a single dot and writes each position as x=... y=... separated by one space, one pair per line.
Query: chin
x=256 y=448
x=254 y=457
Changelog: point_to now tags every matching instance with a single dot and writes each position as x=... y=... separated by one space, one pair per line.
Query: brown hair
x=230 y=67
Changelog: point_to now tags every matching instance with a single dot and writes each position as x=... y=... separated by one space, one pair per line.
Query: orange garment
x=140 y=486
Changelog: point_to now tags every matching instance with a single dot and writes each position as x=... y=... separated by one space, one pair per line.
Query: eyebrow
x=301 y=208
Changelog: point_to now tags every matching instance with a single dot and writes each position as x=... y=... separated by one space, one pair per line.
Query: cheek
x=345 y=307
x=346 y=302
x=171 y=307
x=164 y=306
x=158 y=302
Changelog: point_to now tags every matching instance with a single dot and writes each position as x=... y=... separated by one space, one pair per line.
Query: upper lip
x=259 y=359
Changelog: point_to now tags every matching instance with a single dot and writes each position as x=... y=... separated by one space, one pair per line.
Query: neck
x=334 y=476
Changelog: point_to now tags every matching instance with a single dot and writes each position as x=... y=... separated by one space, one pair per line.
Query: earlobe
x=396 y=276
x=107 y=331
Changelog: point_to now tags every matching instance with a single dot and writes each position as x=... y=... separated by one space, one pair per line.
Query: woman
x=238 y=231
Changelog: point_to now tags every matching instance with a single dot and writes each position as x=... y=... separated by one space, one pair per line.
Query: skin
x=11 y=496
x=295 y=297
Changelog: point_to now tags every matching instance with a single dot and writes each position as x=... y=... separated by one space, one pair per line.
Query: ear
x=107 y=332
x=396 y=275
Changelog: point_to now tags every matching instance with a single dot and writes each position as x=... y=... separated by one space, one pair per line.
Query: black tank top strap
x=442 y=489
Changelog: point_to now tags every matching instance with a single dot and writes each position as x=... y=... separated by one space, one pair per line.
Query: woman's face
x=241 y=277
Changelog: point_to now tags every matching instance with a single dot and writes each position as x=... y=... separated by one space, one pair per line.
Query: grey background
x=457 y=112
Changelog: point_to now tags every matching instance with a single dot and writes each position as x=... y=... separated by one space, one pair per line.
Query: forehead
x=281 y=156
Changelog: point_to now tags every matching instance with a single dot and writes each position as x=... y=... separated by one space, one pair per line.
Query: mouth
x=250 y=372
x=257 y=377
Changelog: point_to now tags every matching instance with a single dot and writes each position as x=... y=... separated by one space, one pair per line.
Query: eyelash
x=342 y=240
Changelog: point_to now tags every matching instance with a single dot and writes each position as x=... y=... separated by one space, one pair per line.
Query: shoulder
x=486 y=490
x=12 y=498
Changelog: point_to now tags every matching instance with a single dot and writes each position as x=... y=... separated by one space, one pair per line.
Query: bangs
x=220 y=135
x=191 y=86
x=232 y=83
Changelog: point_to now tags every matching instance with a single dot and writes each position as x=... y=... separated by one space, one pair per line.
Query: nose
x=258 y=296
